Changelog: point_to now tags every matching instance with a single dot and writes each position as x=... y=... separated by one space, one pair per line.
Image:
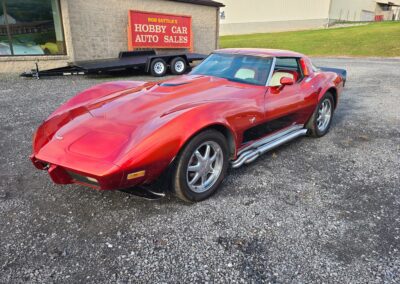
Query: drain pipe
x=329 y=13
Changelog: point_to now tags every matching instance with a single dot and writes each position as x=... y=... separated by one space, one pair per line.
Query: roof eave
x=209 y=3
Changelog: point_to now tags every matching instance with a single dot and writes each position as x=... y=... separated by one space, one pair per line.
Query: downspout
x=329 y=13
x=217 y=30
x=8 y=27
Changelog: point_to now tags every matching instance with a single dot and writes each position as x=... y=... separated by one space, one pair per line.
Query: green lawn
x=376 y=39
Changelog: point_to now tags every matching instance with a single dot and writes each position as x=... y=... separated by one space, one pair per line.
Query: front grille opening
x=45 y=166
x=83 y=179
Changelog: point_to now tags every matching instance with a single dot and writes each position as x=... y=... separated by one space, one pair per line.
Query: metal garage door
x=367 y=16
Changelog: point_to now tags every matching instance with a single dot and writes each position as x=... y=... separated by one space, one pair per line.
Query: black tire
x=158 y=67
x=180 y=174
x=312 y=124
x=178 y=66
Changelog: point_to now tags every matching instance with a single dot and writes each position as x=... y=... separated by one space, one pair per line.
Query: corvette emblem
x=252 y=120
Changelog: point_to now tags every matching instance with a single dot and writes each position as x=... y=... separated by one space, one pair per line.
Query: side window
x=286 y=67
x=287 y=62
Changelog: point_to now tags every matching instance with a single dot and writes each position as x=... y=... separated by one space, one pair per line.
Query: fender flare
x=165 y=147
x=224 y=128
x=331 y=88
x=96 y=92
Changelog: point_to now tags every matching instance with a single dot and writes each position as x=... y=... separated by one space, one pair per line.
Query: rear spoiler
x=341 y=72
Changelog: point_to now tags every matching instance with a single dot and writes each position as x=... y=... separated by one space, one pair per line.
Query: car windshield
x=239 y=68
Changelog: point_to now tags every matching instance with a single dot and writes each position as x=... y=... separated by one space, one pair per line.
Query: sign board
x=156 y=30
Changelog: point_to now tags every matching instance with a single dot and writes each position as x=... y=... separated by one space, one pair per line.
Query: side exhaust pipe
x=253 y=151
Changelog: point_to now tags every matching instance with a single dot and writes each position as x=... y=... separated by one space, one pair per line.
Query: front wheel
x=321 y=120
x=201 y=166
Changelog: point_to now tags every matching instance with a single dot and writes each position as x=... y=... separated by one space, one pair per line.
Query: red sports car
x=234 y=106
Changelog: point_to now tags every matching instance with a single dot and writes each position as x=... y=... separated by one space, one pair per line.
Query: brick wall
x=99 y=27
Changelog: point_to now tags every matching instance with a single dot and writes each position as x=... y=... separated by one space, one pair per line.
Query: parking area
x=315 y=210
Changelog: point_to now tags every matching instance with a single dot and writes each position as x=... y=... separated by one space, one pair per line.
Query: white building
x=258 y=16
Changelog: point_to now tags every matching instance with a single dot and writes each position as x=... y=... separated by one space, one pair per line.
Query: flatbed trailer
x=148 y=61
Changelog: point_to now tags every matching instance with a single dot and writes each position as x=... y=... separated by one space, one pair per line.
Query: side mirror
x=286 y=81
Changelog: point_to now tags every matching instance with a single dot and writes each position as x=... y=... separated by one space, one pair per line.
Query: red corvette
x=233 y=107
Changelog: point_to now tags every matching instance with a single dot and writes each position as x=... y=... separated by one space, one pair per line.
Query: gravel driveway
x=315 y=210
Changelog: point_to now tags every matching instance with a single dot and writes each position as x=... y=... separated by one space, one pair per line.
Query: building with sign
x=55 y=32
x=259 y=16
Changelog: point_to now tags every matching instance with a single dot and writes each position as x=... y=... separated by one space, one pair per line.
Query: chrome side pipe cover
x=256 y=149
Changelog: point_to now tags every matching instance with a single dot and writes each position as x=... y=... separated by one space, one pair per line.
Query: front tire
x=320 y=122
x=201 y=166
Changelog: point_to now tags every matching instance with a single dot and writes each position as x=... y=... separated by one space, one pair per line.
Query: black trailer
x=148 y=61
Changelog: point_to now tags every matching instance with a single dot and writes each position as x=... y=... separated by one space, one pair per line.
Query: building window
x=31 y=27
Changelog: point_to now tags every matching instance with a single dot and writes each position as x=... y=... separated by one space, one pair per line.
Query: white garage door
x=367 y=16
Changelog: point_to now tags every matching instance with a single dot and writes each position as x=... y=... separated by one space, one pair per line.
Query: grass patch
x=376 y=39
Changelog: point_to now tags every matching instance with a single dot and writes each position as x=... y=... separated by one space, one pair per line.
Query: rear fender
x=325 y=90
x=341 y=72
x=333 y=85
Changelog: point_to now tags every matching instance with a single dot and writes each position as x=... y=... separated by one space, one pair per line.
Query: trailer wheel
x=158 y=67
x=178 y=66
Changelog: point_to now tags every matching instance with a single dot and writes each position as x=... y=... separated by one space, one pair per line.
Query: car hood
x=103 y=128
x=138 y=107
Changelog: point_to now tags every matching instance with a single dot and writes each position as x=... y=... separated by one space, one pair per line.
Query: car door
x=289 y=104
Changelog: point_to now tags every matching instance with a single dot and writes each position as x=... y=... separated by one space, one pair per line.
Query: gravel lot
x=315 y=210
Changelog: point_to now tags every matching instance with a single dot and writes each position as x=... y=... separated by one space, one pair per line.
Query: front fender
x=76 y=106
x=96 y=92
x=157 y=145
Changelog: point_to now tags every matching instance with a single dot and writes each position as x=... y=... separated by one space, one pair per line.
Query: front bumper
x=64 y=175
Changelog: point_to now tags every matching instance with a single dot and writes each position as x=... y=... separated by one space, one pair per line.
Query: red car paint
x=114 y=129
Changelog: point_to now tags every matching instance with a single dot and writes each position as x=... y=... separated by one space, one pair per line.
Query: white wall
x=260 y=16
x=251 y=11
x=346 y=10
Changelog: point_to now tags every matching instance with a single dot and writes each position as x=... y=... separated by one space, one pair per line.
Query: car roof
x=260 y=52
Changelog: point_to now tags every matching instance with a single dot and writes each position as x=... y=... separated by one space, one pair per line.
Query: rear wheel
x=201 y=166
x=158 y=67
x=178 y=66
x=321 y=120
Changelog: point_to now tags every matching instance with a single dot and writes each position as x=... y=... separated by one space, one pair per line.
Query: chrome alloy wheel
x=205 y=167
x=159 y=68
x=179 y=66
x=324 y=115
